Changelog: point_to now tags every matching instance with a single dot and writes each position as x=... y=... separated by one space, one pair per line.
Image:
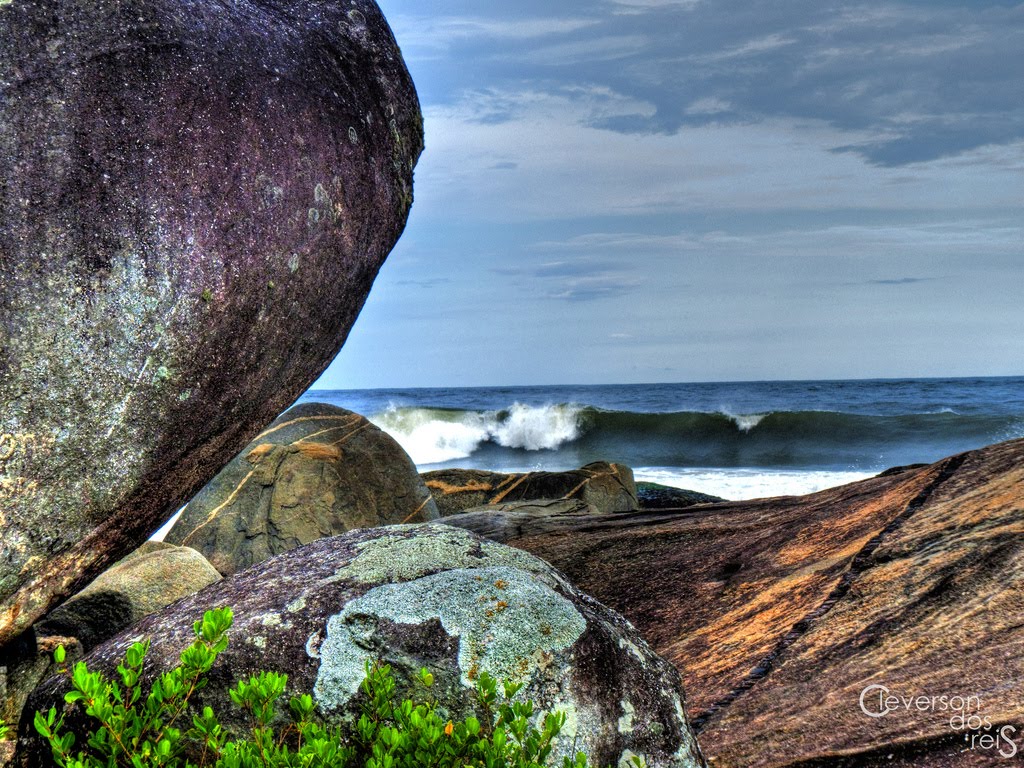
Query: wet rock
x=781 y=612
x=608 y=487
x=435 y=596
x=151 y=578
x=196 y=198
x=317 y=471
x=657 y=496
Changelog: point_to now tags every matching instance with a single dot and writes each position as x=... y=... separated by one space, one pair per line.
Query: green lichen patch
x=498 y=629
x=401 y=557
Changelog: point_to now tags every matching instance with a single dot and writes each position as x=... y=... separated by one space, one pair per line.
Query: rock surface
x=196 y=198
x=608 y=487
x=435 y=596
x=26 y=663
x=658 y=496
x=780 y=612
x=151 y=578
x=513 y=519
x=317 y=471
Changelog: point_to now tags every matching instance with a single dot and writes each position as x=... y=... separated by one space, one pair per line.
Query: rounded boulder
x=196 y=198
x=317 y=471
x=438 y=597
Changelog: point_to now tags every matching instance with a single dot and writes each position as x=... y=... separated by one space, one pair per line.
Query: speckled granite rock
x=152 y=577
x=435 y=596
x=196 y=198
x=317 y=471
x=608 y=487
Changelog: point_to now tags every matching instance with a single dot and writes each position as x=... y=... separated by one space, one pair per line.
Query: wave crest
x=436 y=435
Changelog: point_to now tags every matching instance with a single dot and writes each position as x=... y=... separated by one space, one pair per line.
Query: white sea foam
x=736 y=484
x=432 y=436
x=745 y=421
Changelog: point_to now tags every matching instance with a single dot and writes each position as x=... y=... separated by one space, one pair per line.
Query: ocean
x=736 y=440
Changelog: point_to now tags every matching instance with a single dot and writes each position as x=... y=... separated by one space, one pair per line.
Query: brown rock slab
x=608 y=487
x=435 y=596
x=781 y=612
x=317 y=471
x=196 y=198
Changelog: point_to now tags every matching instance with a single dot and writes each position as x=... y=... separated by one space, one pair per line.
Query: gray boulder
x=608 y=487
x=151 y=578
x=317 y=471
x=196 y=198
x=658 y=496
x=435 y=596
x=516 y=519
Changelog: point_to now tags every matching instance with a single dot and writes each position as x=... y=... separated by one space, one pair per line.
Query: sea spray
x=436 y=435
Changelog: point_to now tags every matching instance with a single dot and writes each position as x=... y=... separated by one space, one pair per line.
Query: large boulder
x=608 y=487
x=793 y=620
x=151 y=578
x=317 y=471
x=196 y=198
x=435 y=596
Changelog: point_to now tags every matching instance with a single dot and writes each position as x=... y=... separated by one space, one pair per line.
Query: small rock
x=152 y=577
x=608 y=487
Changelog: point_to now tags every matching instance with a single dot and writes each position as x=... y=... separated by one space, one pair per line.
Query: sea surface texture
x=736 y=440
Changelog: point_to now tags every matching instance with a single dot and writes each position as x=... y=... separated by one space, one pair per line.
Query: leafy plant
x=160 y=729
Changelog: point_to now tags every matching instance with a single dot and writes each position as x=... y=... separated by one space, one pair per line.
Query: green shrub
x=160 y=729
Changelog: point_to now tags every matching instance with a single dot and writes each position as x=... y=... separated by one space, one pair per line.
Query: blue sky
x=623 y=191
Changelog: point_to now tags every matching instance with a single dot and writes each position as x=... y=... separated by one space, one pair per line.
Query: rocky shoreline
x=777 y=613
x=197 y=197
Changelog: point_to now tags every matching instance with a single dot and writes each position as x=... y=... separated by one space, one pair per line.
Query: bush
x=161 y=729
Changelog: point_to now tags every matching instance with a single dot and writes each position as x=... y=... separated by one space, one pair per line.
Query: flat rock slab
x=317 y=471
x=435 y=596
x=608 y=487
x=781 y=612
x=196 y=198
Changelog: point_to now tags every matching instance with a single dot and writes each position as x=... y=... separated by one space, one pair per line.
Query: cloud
x=857 y=68
x=901 y=281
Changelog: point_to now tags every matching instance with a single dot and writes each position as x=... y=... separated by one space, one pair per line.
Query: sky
x=630 y=191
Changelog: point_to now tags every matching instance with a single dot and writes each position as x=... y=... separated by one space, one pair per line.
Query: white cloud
x=566 y=167
x=440 y=32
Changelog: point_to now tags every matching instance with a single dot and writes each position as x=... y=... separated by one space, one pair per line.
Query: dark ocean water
x=738 y=440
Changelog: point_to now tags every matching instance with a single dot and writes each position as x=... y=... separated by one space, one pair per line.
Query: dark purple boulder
x=196 y=197
x=425 y=595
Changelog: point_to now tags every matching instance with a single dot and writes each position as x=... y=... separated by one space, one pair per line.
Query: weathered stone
x=196 y=198
x=658 y=496
x=781 y=612
x=151 y=578
x=515 y=519
x=25 y=664
x=435 y=596
x=317 y=471
x=608 y=487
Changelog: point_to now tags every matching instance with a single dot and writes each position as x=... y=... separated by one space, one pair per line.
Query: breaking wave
x=575 y=434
